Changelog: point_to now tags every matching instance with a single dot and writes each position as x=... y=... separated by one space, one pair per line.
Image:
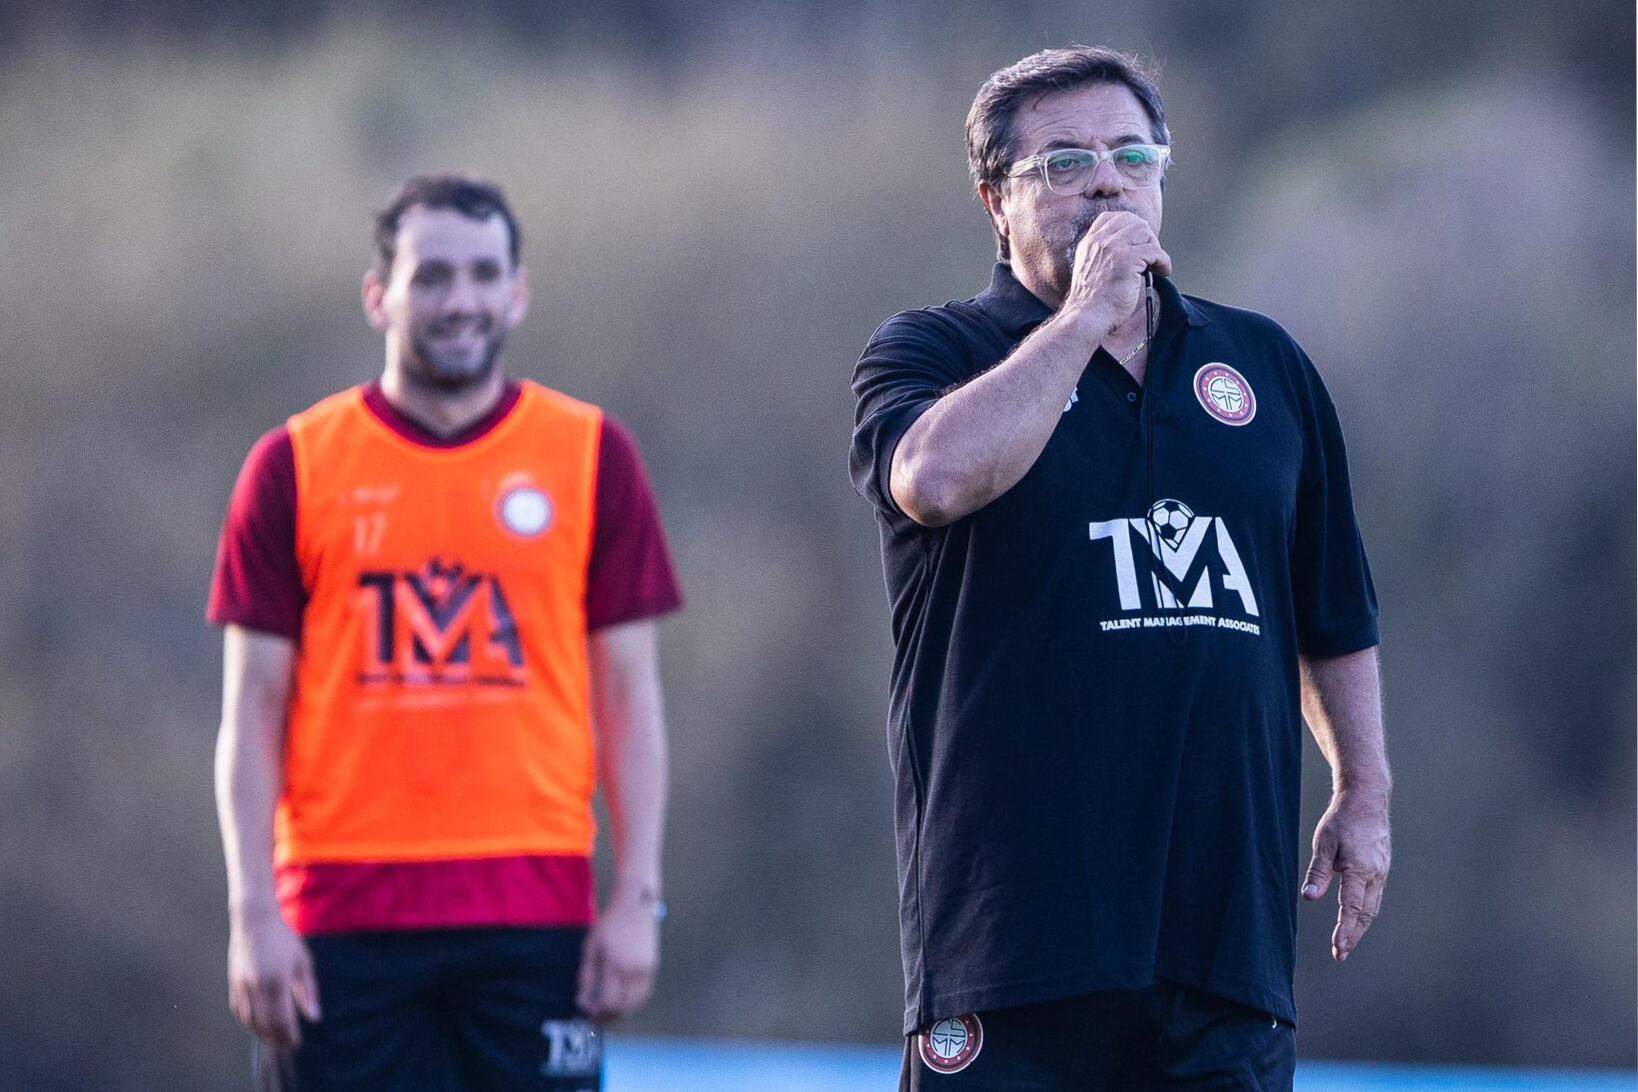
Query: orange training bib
x=441 y=706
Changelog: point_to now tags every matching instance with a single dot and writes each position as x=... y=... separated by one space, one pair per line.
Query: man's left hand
x=1352 y=842
x=618 y=962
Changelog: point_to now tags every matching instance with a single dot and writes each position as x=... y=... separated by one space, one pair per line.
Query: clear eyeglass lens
x=1070 y=170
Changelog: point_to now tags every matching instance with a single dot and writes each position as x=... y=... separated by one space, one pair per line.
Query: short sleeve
x=910 y=362
x=257 y=582
x=1331 y=580
x=630 y=575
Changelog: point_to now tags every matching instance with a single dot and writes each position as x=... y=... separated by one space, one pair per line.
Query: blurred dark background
x=720 y=201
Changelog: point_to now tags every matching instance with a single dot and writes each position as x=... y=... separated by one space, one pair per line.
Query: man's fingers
x=1373 y=899
x=1156 y=259
x=629 y=990
x=270 y=1012
x=1116 y=229
x=1351 y=916
x=1320 y=867
x=236 y=1002
x=272 y=998
x=639 y=985
x=1370 y=902
x=1318 y=879
x=287 y=1026
x=616 y=994
x=1111 y=222
x=589 y=985
x=258 y=1010
x=255 y=1005
x=304 y=990
x=586 y=976
x=642 y=988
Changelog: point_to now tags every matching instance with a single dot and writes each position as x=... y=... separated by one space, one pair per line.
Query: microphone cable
x=1151 y=387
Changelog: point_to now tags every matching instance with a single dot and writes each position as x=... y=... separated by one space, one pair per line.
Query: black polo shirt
x=1095 y=723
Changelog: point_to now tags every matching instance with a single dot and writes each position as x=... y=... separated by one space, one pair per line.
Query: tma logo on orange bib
x=439 y=626
x=1182 y=576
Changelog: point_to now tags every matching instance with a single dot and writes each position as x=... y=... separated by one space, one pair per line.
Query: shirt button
x=1131 y=396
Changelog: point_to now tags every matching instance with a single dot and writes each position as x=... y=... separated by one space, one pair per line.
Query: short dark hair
x=991 y=147
x=469 y=196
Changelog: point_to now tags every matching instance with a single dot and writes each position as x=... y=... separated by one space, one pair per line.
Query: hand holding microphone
x=1110 y=268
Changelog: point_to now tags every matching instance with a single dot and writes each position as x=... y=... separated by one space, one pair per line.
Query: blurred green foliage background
x=720 y=201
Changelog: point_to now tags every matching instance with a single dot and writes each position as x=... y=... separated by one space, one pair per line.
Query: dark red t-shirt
x=258 y=585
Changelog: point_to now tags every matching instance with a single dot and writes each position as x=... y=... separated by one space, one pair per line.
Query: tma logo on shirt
x=438 y=625
x=1170 y=549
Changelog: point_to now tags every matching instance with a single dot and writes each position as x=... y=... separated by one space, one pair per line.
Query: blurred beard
x=430 y=368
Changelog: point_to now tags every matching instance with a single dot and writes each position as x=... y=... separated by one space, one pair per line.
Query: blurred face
x=449 y=300
x=1042 y=227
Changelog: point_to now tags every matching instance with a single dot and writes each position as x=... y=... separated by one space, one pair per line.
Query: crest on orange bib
x=526 y=511
x=1225 y=394
x=950 y=1046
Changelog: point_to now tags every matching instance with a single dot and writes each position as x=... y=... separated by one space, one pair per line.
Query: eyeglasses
x=1069 y=170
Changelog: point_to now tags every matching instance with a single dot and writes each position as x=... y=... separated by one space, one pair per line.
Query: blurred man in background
x=1123 y=565
x=439 y=591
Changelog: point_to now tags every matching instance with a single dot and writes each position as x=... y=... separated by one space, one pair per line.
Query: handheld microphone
x=1149 y=302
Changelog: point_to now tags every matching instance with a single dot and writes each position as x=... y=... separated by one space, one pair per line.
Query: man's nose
x=462 y=297
x=1106 y=181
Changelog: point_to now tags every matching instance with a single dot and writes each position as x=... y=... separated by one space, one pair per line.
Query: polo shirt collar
x=1012 y=306
x=1017 y=310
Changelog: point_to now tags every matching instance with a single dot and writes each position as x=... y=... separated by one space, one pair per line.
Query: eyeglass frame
x=1037 y=162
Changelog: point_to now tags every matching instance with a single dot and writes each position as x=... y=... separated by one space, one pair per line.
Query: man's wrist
x=1085 y=322
x=253 y=909
x=642 y=894
x=1372 y=789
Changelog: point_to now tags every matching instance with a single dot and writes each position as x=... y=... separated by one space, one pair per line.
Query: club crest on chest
x=1225 y=394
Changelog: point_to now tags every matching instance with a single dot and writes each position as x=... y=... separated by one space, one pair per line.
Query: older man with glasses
x=1123 y=567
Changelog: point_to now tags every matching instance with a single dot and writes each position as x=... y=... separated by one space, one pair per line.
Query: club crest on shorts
x=525 y=510
x=1225 y=394
x=950 y=1046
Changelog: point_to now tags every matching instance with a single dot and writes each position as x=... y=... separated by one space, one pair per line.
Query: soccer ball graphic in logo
x=1226 y=394
x=1171 y=519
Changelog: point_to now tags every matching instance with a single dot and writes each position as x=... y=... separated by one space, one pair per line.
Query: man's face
x=450 y=299
x=1042 y=227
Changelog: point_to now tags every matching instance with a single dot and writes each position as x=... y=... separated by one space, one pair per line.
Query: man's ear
x=374 y=289
x=520 y=298
x=993 y=204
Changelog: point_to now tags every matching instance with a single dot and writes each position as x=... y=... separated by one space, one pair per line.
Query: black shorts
x=443 y=1009
x=1164 y=1036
